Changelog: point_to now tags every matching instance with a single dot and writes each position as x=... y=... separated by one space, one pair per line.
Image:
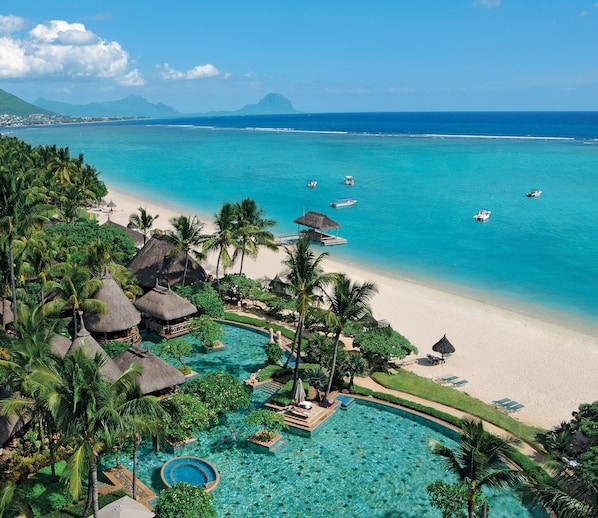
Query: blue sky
x=323 y=55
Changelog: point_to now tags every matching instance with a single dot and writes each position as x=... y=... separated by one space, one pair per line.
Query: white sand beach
x=547 y=366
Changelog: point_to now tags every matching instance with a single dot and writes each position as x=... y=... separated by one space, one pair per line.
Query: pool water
x=367 y=461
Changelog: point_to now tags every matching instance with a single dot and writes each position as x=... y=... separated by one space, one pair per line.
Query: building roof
x=157 y=373
x=136 y=236
x=316 y=220
x=10 y=424
x=163 y=303
x=122 y=314
x=154 y=262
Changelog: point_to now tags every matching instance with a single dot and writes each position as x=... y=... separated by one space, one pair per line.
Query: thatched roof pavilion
x=10 y=424
x=153 y=262
x=60 y=344
x=319 y=227
x=85 y=341
x=137 y=237
x=121 y=321
x=157 y=376
x=165 y=312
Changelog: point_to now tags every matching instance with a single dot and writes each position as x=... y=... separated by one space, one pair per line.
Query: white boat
x=534 y=193
x=312 y=184
x=482 y=215
x=349 y=180
x=343 y=202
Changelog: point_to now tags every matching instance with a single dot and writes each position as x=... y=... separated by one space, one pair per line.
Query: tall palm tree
x=20 y=206
x=348 y=302
x=223 y=238
x=186 y=238
x=306 y=281
x=74 y=287
x=479 y=461
x=86 y=409
x=253 y=230
x=62 y=167
x=144 y=221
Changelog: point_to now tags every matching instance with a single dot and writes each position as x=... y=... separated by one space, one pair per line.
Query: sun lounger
x=459 y=383
x=516 y=407
x=501 y=402
x=447 y=379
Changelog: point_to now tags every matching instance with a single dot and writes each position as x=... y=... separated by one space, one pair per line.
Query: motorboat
x=349 y=180
x=343 y=202
x=534 y=193
x=312 y=184
x=482 y=215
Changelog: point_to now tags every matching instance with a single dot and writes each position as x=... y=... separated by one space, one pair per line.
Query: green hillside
x=12 y=105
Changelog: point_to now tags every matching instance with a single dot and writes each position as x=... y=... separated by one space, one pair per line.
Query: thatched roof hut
x=164 y=304
x=157 y=376
x=85 y=341
x=317 y=220
x=6 y=314
x=60 y=344
x=122 y=316
x=153 y=262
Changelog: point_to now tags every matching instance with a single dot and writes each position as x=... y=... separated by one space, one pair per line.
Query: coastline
x=543 y=364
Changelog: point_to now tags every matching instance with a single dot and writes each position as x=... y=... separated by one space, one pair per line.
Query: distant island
x=16 y=112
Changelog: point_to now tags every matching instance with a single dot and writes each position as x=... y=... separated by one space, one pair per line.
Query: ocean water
x=419 y=179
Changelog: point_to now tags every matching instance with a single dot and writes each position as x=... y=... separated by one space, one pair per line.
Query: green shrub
x=184 y=500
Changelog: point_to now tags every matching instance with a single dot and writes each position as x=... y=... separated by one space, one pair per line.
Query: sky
x=323 y=55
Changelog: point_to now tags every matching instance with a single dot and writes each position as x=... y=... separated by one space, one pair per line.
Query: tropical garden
x=52 y=255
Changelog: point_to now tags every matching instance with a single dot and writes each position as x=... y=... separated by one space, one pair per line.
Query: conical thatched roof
x=87 y=342
x=11 y=424
x=6 y=311
x=60 y=344
x=153 y=262
x=316 y=220
x=157 y=374
x=443 y=346
x=121 y=314
x=163 y=303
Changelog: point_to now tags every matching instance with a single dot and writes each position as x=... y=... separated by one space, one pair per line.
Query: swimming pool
x=192 y=470
x=367 y=461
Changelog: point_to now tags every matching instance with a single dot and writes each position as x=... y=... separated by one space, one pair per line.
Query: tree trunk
x=293 y=346
x=134 y=484
x=471 y=500
x=85 y=513
x=94 y=486
x=13 y=284
x=185 y=270
x=333 y=365
x=298 y=355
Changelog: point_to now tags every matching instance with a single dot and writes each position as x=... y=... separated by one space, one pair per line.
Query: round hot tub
x=192 y=470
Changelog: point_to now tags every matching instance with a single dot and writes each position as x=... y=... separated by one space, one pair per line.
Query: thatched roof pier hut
x=319 y=227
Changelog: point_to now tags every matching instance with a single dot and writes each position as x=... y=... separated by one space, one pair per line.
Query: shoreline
x=502 y=352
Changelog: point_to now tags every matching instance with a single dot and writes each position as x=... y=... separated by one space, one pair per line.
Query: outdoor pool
x=192 y=470
x=367 y=461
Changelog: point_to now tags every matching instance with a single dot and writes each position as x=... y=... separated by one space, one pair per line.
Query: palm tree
x=74 y=289
x=62 y=167
x=306 y=280
x=252 y=229
x=348 y=302
x=144 y=221
x=354 y=365
x=223 y=238
x=86 y=409
x=10 y=504
x=186 y=238
x=317 y=378
x=479 y=460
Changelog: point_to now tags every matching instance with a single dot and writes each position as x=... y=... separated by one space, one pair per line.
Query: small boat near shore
x=312 y=184
x=482 y=215
x=349 y=180
x=343 y=202
x=534 y=193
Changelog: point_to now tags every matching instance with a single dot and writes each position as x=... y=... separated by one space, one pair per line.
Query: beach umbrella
x=111 y=205
x=125 y=507
x=443 y=346
x=299 y=392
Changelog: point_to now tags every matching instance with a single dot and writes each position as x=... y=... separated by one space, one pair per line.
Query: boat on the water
x=343 y=202
x=482 y=215
x=312 y=184
x=349 y=180
x=534 y=193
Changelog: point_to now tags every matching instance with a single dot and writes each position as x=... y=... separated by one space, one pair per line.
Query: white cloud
x=489 y=4
x=133 y=78
x=198 y=72
x=11 y=23
x=59 y=49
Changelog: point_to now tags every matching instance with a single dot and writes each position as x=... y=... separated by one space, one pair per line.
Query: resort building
x=121 y=322
x=164 y=312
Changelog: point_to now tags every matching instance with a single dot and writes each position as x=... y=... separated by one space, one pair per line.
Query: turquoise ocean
x=419 y=179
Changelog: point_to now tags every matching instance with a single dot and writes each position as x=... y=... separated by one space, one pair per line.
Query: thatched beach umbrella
x=112 y=205
x=157 y=374
x=125 y=507
x=443 y=346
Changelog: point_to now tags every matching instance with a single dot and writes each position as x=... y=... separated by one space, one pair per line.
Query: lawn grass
x=410 y=383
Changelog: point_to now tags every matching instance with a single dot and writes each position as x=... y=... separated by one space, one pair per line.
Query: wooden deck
x=324 y=238
x=122 y=478
x=317 y=416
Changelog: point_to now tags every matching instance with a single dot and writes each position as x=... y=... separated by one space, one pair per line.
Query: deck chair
x=459 y=383
x=516 y=407
x=501 y=402
x=447 y=379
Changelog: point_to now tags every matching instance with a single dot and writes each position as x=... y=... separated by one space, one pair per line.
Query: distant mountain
x=12 y=105
x=132 y=106
x=272 y=104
